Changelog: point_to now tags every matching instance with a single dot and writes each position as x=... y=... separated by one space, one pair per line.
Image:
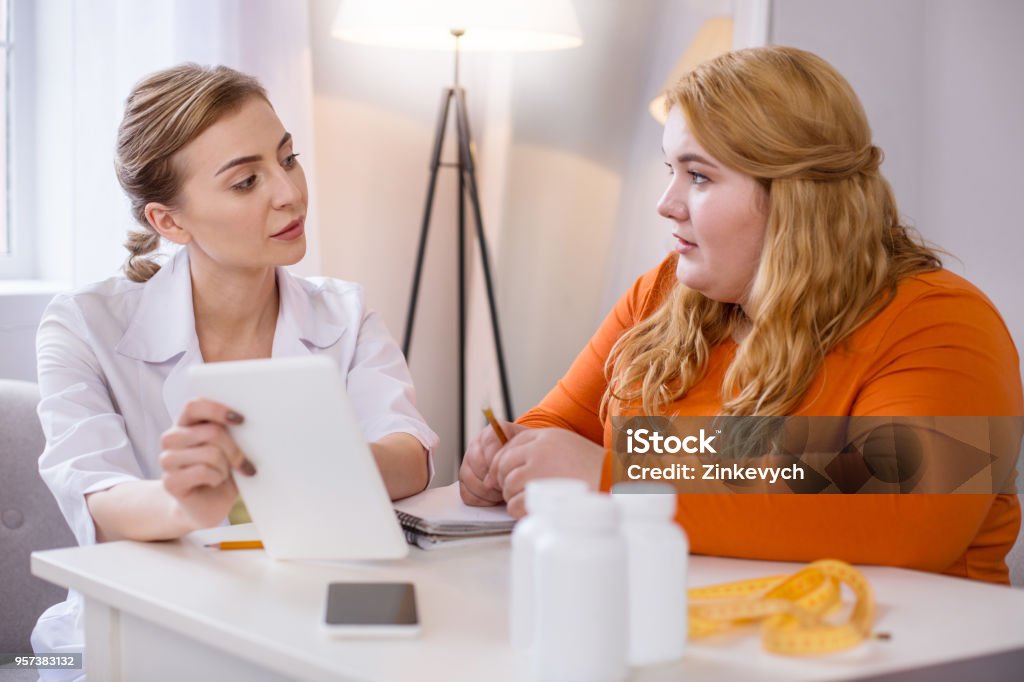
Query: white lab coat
x=113 y=360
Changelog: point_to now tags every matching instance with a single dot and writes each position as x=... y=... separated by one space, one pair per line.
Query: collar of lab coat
x=163 y=325
x=164 y=322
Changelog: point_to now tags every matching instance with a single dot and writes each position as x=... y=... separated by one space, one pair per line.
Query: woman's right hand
x=197 y=458
x=478 y=489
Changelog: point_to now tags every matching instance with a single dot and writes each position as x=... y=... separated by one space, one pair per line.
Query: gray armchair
x=29 y=517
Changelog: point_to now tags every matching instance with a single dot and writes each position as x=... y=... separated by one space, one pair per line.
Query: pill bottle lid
x=544 y=494
x=587 y=512
x=645 y=500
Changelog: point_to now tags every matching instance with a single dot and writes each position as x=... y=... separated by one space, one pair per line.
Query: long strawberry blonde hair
x=834 y=247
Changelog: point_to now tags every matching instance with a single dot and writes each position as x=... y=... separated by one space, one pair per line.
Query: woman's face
x=717 y=214
x=243 y=199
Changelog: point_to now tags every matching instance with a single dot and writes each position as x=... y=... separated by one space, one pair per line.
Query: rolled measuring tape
x=793 y=609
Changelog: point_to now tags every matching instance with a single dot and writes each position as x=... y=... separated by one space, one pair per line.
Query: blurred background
x=569 y=156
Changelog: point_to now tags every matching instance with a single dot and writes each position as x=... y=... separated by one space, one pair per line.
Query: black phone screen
x=371 y=604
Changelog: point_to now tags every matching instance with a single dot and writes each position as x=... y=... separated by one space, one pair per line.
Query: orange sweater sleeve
x=575 y=401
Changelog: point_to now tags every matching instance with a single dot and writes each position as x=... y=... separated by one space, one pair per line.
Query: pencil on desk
x=237 y=544
x=495 y=425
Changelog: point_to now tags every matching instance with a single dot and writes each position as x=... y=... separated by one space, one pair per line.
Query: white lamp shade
x=498 y=25
x=713 y=38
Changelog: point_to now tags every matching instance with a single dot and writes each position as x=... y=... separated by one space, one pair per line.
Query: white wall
x=941 y=83
x=972 y=145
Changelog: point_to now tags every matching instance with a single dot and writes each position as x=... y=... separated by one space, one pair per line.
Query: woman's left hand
x=544 y=453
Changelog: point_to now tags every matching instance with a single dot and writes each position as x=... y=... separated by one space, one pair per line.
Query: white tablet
x=317 y=493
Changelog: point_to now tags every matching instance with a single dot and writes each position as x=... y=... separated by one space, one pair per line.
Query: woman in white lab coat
x=208 y=166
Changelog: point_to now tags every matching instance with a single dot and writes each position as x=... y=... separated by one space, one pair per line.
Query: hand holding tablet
x=318 y=493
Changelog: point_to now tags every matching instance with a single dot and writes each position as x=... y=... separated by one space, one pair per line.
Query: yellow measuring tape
x=793 y=609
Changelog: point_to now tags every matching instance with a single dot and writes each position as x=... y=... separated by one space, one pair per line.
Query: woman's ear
x=162 y=218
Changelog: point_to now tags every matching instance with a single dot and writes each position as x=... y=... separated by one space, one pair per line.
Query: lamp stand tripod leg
x=461 y=200
x=468 y=168
x=421 y=250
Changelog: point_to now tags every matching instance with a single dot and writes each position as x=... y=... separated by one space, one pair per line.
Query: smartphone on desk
x=371 y=610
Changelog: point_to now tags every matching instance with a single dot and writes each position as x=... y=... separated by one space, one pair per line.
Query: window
x=17 y=141
x=5 y=60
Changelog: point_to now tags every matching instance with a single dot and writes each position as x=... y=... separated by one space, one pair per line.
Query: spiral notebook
x=438 y=516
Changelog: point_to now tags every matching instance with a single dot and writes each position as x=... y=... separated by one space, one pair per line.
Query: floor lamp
x=496 y=25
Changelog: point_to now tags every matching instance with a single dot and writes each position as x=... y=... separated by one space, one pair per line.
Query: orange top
x=939 y=348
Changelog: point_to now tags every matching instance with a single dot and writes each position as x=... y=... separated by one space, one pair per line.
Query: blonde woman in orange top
x=793 y=289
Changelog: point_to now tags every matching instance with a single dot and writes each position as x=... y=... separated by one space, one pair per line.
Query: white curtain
x=89 y=54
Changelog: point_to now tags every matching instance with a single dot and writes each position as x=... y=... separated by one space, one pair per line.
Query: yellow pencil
x=495 y=425
x=237 y=544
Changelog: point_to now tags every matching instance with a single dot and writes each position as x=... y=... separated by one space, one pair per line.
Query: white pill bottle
x=580 y=613
x=657 y=551
x=542 y=499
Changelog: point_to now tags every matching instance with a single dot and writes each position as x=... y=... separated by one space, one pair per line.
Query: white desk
x=174 y=611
